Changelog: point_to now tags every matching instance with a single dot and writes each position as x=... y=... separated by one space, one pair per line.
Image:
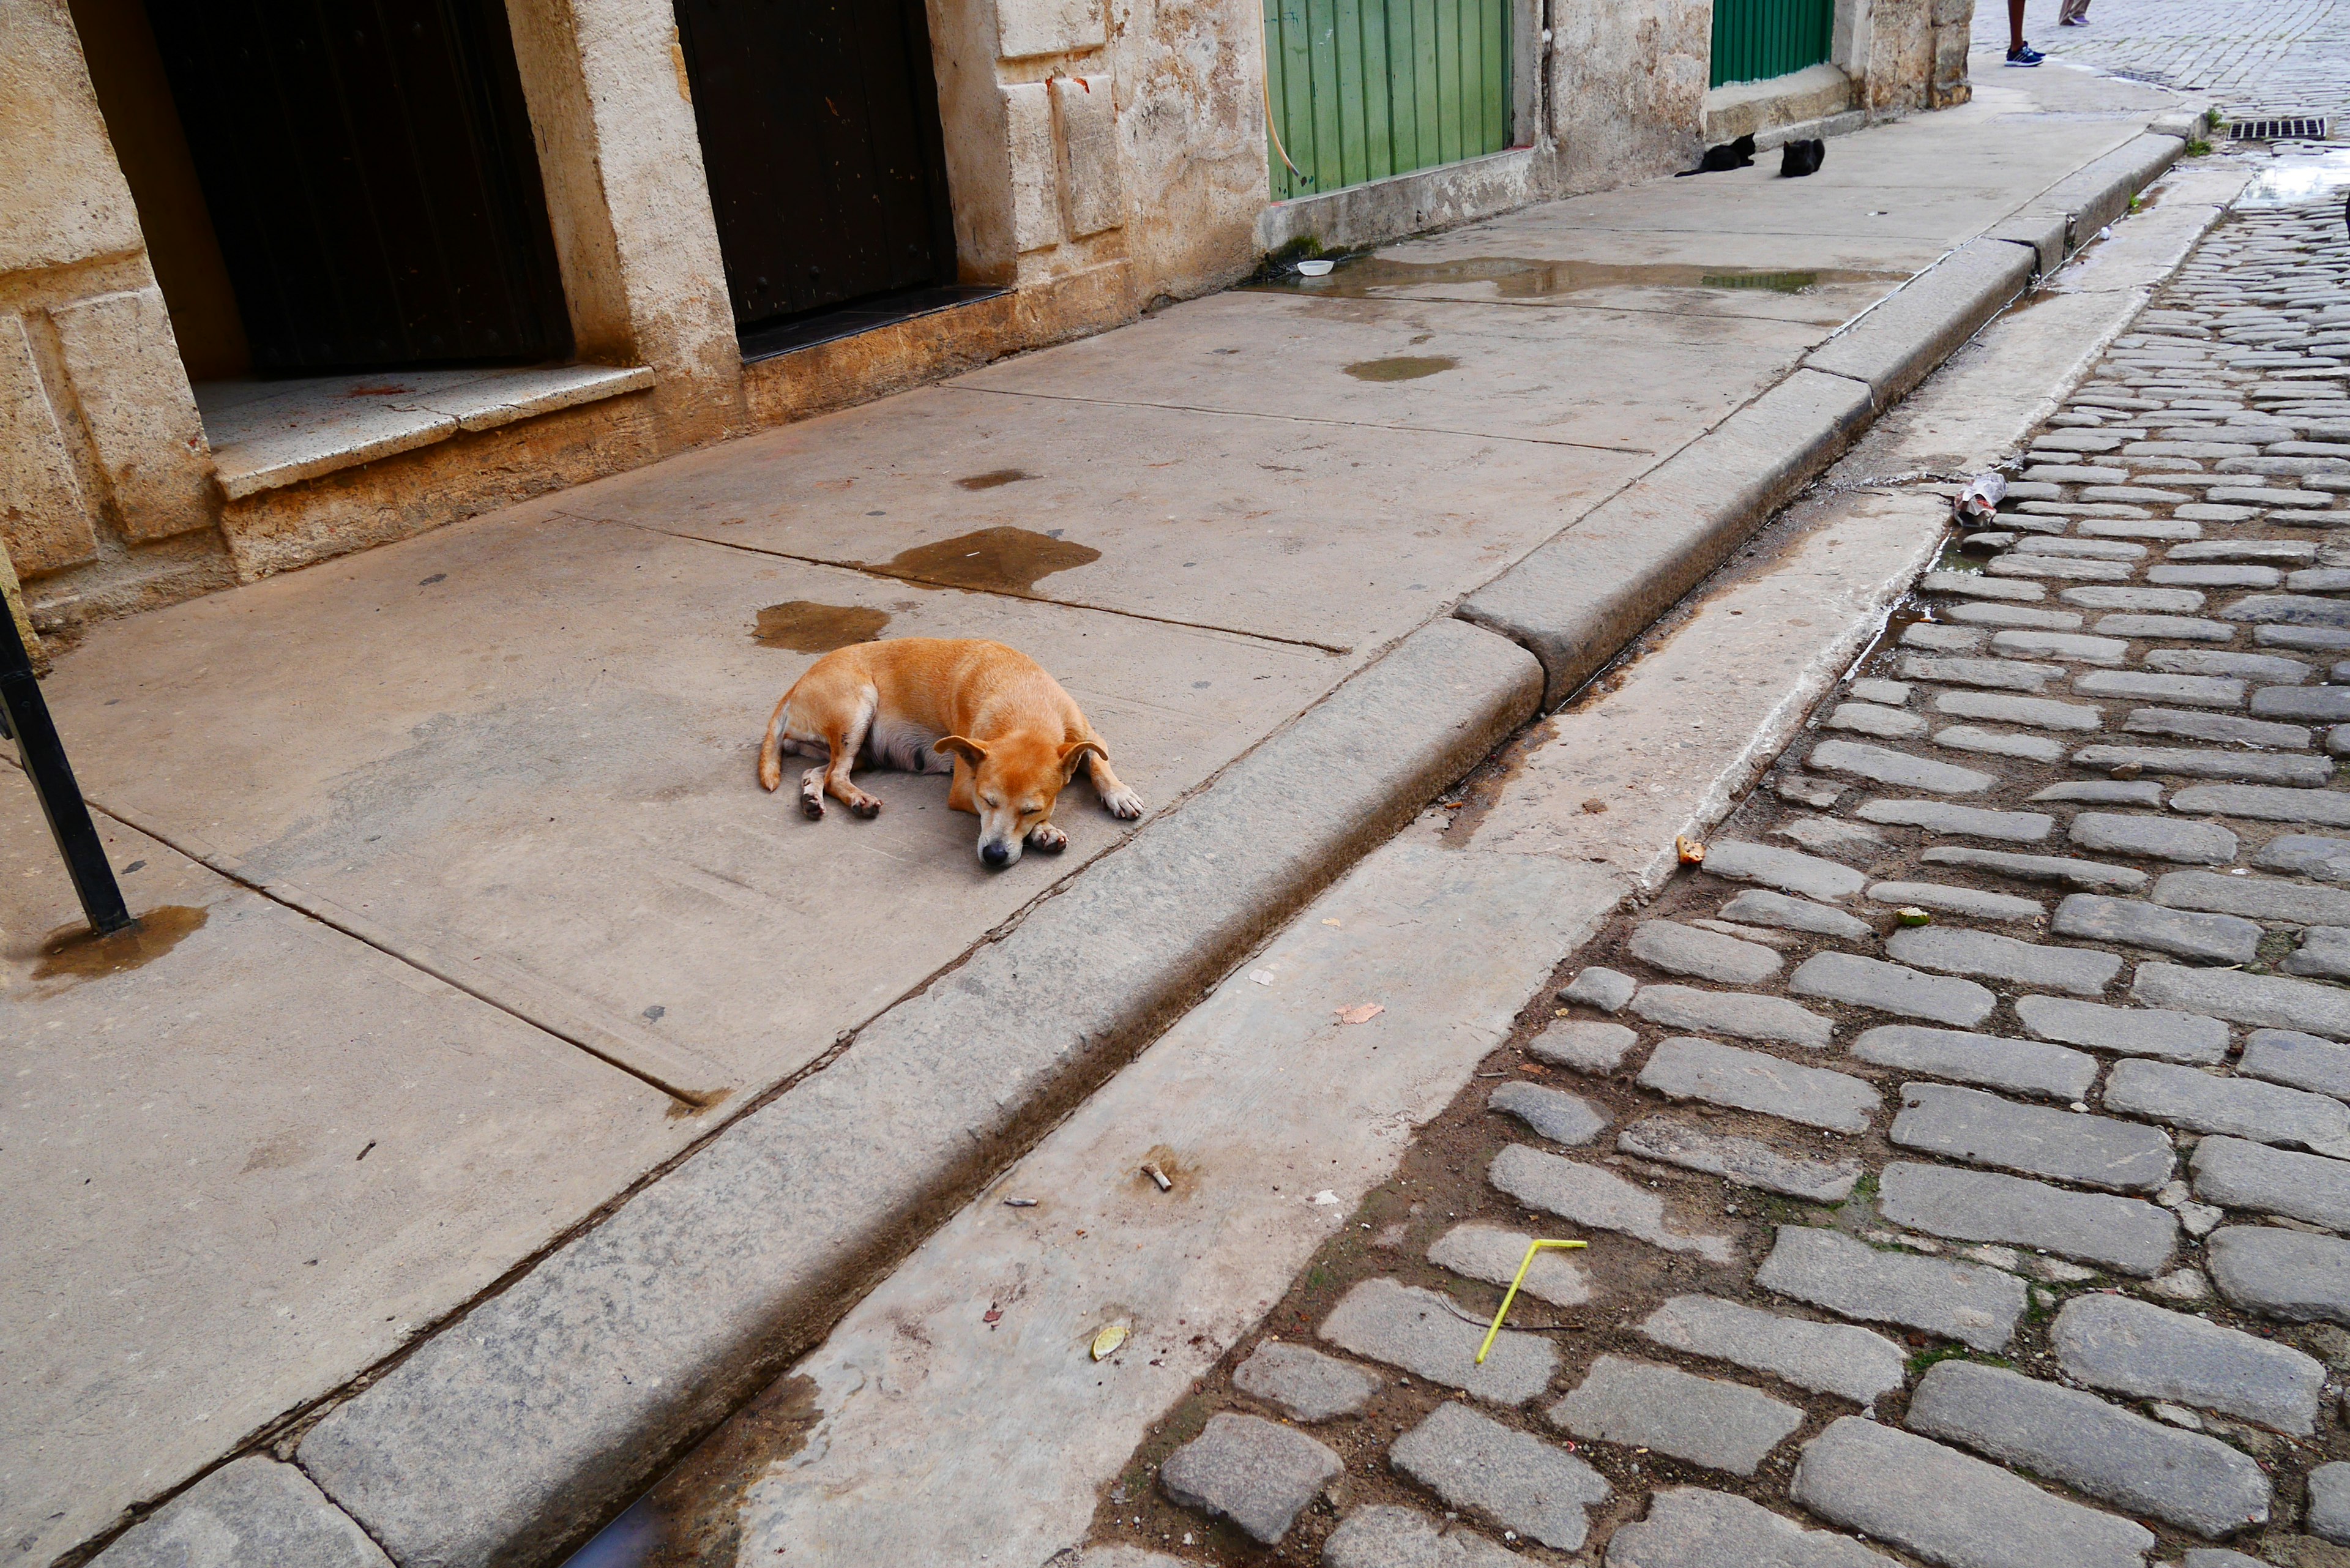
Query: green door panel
x=1361 y=89
x=1755 y=40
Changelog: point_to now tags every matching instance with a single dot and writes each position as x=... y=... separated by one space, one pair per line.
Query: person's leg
x=2014 y=25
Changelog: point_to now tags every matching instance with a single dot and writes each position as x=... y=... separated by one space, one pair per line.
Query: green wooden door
x=1755 y=40
x=1360 y=89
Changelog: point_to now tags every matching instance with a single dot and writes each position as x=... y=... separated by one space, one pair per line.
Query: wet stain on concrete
x=1401 y=367
x=804 y=626
x=1516 y=278
x=693 y=1514
x=74 y=953
x=993 y=479
x=1001 y=560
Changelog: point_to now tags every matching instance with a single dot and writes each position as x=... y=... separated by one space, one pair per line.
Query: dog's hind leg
x=846 y=741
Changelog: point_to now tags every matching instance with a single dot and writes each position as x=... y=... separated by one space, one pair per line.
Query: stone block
x=2061 y=869
x=1388 y=1537
x=2134 y=922
x=1868 y=719
x=1493 y=1254
x=1705 y=955
x=2265 y=803
x=1682 y=1068
x=2034 y=1139
x=1757 y=906
x=1805 y=875
x=2019 y=1066
x=1310 y=1386
x=1035 y=166
x=1520 y=1483
x=140 y=412
x=2284 y=1273
x=1741 y=1014
x=1027 y=28
x=1965 y=1301
x=2122 y=1233
x=1972 y=820
x=1587 y=1047
x=1691 y=1527
x=1879 y=765
x=2299 y=772
x=2159 y=838
x=1093 y=190
x=2131 y=1030
x=2306 y=854
x=1555 y=1113
x=2329 y=1503
x=1601 y=990
x=249 y=1512
x=1890 y=988
x=1257 y=1473
x=1743 y=1161
x=1972 y=902
x=2255 y=898
x=1989 y=956
x=2301 y=1061
x=1638 y=1404
x=1826 y=1358
x=2135 y=1347
x=2064 y=1435
x=2243 y=1174
x=2222 y=729
x=2324 y=953
x=2195 y=1100
x=2182 y=690
x=44 y=520
x=1587 y=1195
x=1403 y=1325
x=1952 y=1509
x=2263 y=999
x=2032 y=643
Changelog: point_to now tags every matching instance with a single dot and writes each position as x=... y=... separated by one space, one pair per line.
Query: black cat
x=1738 y=154
x=1797 y=158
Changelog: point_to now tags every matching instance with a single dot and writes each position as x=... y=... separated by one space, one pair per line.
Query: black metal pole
x=44 y=756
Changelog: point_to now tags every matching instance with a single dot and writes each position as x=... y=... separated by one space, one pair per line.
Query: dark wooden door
x=819 y=126
x=369 y=170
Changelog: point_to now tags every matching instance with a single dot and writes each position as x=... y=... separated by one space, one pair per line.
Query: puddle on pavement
x=1401 y=367
x=73 y=952
x=1365 y=278
x=993 y=479
x=1000 y=560
x=2294 y=178
x=805 y=626
x=692 y=1516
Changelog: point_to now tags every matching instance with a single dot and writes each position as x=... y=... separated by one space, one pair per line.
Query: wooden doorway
x=369 y=169
x=820 y=123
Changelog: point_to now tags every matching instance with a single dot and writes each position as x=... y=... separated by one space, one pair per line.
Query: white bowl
x=1313 y=268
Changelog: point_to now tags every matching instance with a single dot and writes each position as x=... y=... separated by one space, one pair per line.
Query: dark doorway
x=369 y=169
x=819 y=124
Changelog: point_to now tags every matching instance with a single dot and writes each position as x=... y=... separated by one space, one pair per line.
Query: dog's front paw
x=1048 y=838
x=1124 y=805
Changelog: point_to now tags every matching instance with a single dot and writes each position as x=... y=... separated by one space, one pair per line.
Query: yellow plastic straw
x=1531 y=1248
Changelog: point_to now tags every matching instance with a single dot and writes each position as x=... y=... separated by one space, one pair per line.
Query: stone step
x=2128 y=1346
x=1685 y=1068
x=1587 y=1195
x=2074 y=1437
x=1952 y=1509
x=1984 y=1129
x=2122 y=1234
x=1966 y=1301
x=1826 y=1358
x=1638 y=1404
x=1515 y=1479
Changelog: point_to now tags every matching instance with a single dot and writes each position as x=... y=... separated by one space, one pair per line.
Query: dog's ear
x=971 y=752
x=1076 y=751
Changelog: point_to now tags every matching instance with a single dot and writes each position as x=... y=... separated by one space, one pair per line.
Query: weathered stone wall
x=1628 y=89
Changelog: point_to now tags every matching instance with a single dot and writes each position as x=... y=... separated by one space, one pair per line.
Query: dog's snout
x=996 y=854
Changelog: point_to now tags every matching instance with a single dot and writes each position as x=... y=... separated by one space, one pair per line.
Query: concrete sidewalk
x=481 y=923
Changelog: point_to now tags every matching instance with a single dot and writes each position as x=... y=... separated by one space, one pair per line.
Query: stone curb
x=521 y=1427
x=1576 y=601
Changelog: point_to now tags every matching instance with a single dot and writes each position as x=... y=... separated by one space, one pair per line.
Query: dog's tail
x=771 y=749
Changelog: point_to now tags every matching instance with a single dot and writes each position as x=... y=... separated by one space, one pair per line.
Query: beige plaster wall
x=1191 y=124
x=1628 y=89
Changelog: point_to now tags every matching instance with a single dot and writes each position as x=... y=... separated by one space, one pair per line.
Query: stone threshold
x=268 y=435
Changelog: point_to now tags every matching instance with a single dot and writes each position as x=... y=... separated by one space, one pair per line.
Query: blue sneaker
x=2024 y=54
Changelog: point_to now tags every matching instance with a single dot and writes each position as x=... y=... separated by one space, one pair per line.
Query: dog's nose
x=996 y=854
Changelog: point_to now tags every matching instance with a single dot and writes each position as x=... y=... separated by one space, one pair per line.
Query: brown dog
x=913 y=703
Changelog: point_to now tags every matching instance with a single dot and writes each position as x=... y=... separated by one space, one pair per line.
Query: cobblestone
x=1721 y=1426
x=1741 y=1014
x=1806 y=876
x=1690 y=1527
x=1740 y=1159
x=2262 y=803
x=2299 y=772
x=1310 y=1386
x=2268 y=1113
x=2134 y=1348
x=1601 y=990
x=2160 y=838
x=1951 y=1509
x=1879 y=766
x=1587 y=1195
x=2062 y=870
x=1683 y=1068
x=1965 y=1301
x=2306 y=854
x=1389 y=1537
x=2282 y=1274
x=2196 y=1482
x=2080 y=971
x=2132 y=1030
x=2188 y=690
x=2019 y=1066
x=2133 y=922
x=1984 y=1129
x=2260 y=898
x=1520 y=1483
x=2123 y=1233
x=2329 y=1502
x=1584 y=1047
x=1705 y=955
x=1493 y=1254
x=1973 y=902
x=1890 y=988
x=2263 y=998
x=2301 y=1061
x=1970 y=821
x=1826 y=1358
x=2242 y=1174
x=1555 y=1113
x=1257 y=1473
x=1404 y=1326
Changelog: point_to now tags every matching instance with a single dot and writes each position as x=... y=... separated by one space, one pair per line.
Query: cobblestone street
x=1963 y=1149
x=2275 y=56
